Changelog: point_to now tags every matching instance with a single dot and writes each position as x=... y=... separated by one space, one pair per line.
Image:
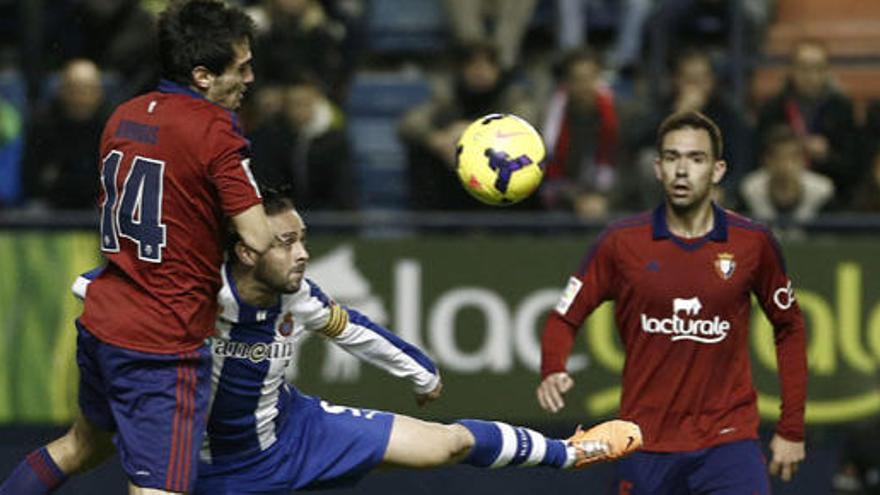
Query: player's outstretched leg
x=417 y=443
x=83 y=447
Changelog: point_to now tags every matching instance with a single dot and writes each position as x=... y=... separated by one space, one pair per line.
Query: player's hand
x=424 y=399
x=785 y=457
x=551 y=390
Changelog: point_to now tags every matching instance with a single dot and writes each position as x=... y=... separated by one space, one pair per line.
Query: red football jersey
x=682 y=308
x=174 y=168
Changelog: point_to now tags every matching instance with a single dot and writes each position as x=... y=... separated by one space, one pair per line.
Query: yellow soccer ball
x=500 y=159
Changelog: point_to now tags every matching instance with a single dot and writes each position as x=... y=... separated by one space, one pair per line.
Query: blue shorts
x=319 y=445
x=736 y=468
x=155 y=403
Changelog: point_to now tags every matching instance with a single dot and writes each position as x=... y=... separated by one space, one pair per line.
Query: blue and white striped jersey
x=252 y=347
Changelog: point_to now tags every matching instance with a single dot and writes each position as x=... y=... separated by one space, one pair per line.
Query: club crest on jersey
x=286 y=325
x=725 y=265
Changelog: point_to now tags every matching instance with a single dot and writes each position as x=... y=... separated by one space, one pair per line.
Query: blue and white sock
x=500 y=444
x=36 y=475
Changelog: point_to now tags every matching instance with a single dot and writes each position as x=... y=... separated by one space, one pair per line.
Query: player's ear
x=246 y=256
x=202 y=77
x=718 y=171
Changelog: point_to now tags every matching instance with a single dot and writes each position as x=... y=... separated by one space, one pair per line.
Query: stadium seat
x=375 y=105
x=398 y=27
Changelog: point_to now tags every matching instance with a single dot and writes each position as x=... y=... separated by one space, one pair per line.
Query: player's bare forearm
x=253 y=228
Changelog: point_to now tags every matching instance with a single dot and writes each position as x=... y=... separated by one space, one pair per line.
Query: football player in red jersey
x=681 y=278
x=174 y=171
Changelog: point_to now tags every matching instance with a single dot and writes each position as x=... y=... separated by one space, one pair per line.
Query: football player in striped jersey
x=265 y=436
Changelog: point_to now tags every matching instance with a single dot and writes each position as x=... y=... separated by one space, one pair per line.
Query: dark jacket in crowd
x=831 y=115
x=60 y=163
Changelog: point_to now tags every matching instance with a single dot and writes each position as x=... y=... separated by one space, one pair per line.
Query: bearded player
x=264 y=436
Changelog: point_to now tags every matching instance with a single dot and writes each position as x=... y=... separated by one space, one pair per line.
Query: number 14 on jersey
x=134 y=210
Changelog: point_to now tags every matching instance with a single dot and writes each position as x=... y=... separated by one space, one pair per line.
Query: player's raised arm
x=370 y=342
x=253 y=228
x=586 y=289
x=776 y=295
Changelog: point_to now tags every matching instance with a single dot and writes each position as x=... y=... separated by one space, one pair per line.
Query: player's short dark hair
x=691 y=120
x=277 y=199
x=200 y=32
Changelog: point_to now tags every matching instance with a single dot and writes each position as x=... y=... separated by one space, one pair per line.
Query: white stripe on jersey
x=267 y=406
x=246 y=165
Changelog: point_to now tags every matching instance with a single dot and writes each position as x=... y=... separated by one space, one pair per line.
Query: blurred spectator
x=581 y=133
x=695 y=87
x=306 y=145
x=784 y=191
x=118 y=35
x=509 y=18
x=677 y=24
x=818 y=113
x=61 y=156
x=624 y=53
x=430 y=131
x=867 y=193
x=301 y=38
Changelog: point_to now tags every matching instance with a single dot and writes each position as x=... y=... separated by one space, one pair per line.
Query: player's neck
x=250 y=290
x=690 y=223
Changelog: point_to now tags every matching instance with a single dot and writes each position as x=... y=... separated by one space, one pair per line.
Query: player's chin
x=680 y=202
x=293 y=283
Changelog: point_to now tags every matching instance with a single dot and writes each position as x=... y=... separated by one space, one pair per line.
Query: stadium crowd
x=587 y=82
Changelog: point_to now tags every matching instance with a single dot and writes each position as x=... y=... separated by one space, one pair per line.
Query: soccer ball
x=500 y=159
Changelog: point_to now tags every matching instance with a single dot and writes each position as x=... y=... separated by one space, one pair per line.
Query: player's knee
x=459 y=441
x=84 y=447
x=81 y=446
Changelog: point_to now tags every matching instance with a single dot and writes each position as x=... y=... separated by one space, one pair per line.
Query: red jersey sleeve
x=777 y=299
x=592 y=284
x=230 y=169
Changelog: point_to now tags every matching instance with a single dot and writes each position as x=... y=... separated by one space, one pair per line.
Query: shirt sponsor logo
x=257 y=352
x=783 y=297
x=568 y=295
x=706 y=331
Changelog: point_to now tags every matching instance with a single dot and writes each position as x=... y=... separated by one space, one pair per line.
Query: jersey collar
x=169 y=86
x=717 y=234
